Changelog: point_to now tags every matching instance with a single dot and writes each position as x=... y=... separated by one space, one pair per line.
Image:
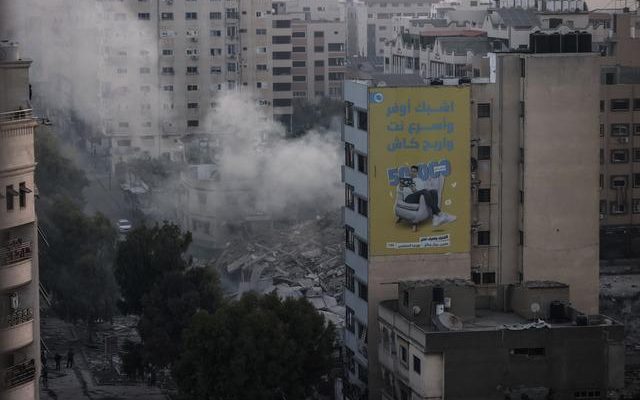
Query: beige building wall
x=19 y=284
x=561 y=173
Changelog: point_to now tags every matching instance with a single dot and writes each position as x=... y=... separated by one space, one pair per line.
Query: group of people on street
x=58 y=360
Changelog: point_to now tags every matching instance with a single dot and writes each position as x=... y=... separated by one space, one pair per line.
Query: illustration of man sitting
x=418 y=199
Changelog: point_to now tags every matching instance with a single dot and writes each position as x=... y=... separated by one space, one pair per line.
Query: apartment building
x=528 y=208
x=373 y=19
x=19 y=288
x=436 y=343
x=620 y=138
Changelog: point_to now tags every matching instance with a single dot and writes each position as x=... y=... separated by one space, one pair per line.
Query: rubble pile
x=303 y=259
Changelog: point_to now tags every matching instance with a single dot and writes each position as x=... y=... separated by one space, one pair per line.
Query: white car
x=124 y=225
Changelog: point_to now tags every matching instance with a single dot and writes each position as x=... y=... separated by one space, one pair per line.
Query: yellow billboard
x=419 y=170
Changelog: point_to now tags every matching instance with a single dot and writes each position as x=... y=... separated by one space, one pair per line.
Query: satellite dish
x=449 y=321
x=535 y=308
x=416 y=310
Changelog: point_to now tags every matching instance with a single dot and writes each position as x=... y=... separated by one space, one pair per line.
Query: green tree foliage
x=168 y=309
x=77 y=264
x=144 y=257
x=256 y=348
x=56 y=175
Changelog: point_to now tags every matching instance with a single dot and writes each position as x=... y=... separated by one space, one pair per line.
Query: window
x=587 y=394
x=168 y=88
x=232 y=67
x=215 y=51
x=635 y=206
x=484 y=110
x=362 y=120
x=9 y=194
x=484 y=152
x=601 y=181
x=318 y=34
x=298 y=34
x=167 y=52
x=282 y=39
x=619 y=181
x=261 y=31
x=215 y=15
x=278 y=71
x=484 y=195
x=282 y=23
x=193 y=123
x=350 y=281
x=318 y=78
x=282 y=55
x=190 y=16
x=601 y=156
x=318 y=63
x=636 y=154
x=601 y=130
x=261 y=67
x=636 y=129
x=617 y=208
x=405 y=298
x=348 y=113
x=362 y=163
x=299 y=78
x=282 y=102
x=350 y=318
x=528 y=351
x=636 y=180
x=192 y=106
x=363 y=374
x=318 y=49
x=215 y=33
x=281 y=86
x=336 y=76
x=192 y=88
x=619 y=156
x=298 y=64
x=416 y=365
x=484 y=238
x=603 y=207
x=521 y=237
x=404 y=355
x=336 y=46
x=350 y=239
x=348 y=196
x=193 y=70
x=363 y=249
x=298 y=49
x=619 y=104
x=619 y=129
x=166 y=16
x=363 y=206
x=488 y=278
x=363 y=291
x=215 y=69
x=349 y=155
x=636 y=104
x=167 y=71
x=144 y=16
x=601 y=105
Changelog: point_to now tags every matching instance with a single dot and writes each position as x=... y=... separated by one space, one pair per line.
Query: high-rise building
x=524 y=209
x=167 y=61
x=19 y=287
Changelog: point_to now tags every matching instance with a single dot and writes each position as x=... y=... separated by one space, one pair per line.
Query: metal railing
x=17 y=115
x=17 y=317
x=17 y=375
x=15 y=251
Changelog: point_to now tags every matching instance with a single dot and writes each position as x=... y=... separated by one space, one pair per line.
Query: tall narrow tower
x=19 y=288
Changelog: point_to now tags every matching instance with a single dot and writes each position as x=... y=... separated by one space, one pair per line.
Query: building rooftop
x=490 y=320
x=436 y=282
x=515 y=17
x=454 y=33
x=462 y=45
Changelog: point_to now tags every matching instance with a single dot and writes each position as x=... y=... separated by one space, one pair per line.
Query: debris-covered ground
x=303 y=259
x=620 y=299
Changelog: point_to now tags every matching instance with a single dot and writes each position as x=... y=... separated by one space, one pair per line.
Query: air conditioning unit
x=623 y=140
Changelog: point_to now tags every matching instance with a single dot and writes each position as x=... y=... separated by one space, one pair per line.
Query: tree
x=168 y=309
x=56 y=175
x=76 y=267
x=257 y=348
x=144 y=257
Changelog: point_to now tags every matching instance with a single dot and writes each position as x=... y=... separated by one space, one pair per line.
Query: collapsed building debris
x=295 y=260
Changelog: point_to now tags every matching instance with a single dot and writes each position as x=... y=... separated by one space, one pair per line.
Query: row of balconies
x=15 y=264
x=15 y=251
x=17 y=375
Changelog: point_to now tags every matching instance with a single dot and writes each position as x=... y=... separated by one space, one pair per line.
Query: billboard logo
x=377 y=97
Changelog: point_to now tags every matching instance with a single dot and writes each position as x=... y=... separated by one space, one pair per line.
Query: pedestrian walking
x=58 y=359
x=70 y=358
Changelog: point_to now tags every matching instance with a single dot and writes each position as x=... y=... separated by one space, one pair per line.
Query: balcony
x=16 y=116
x=16 y=330
x=18 y=382
x=15 y=264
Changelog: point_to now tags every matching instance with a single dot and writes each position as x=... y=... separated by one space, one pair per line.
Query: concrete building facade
x=19 y=284
x=534 y=205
